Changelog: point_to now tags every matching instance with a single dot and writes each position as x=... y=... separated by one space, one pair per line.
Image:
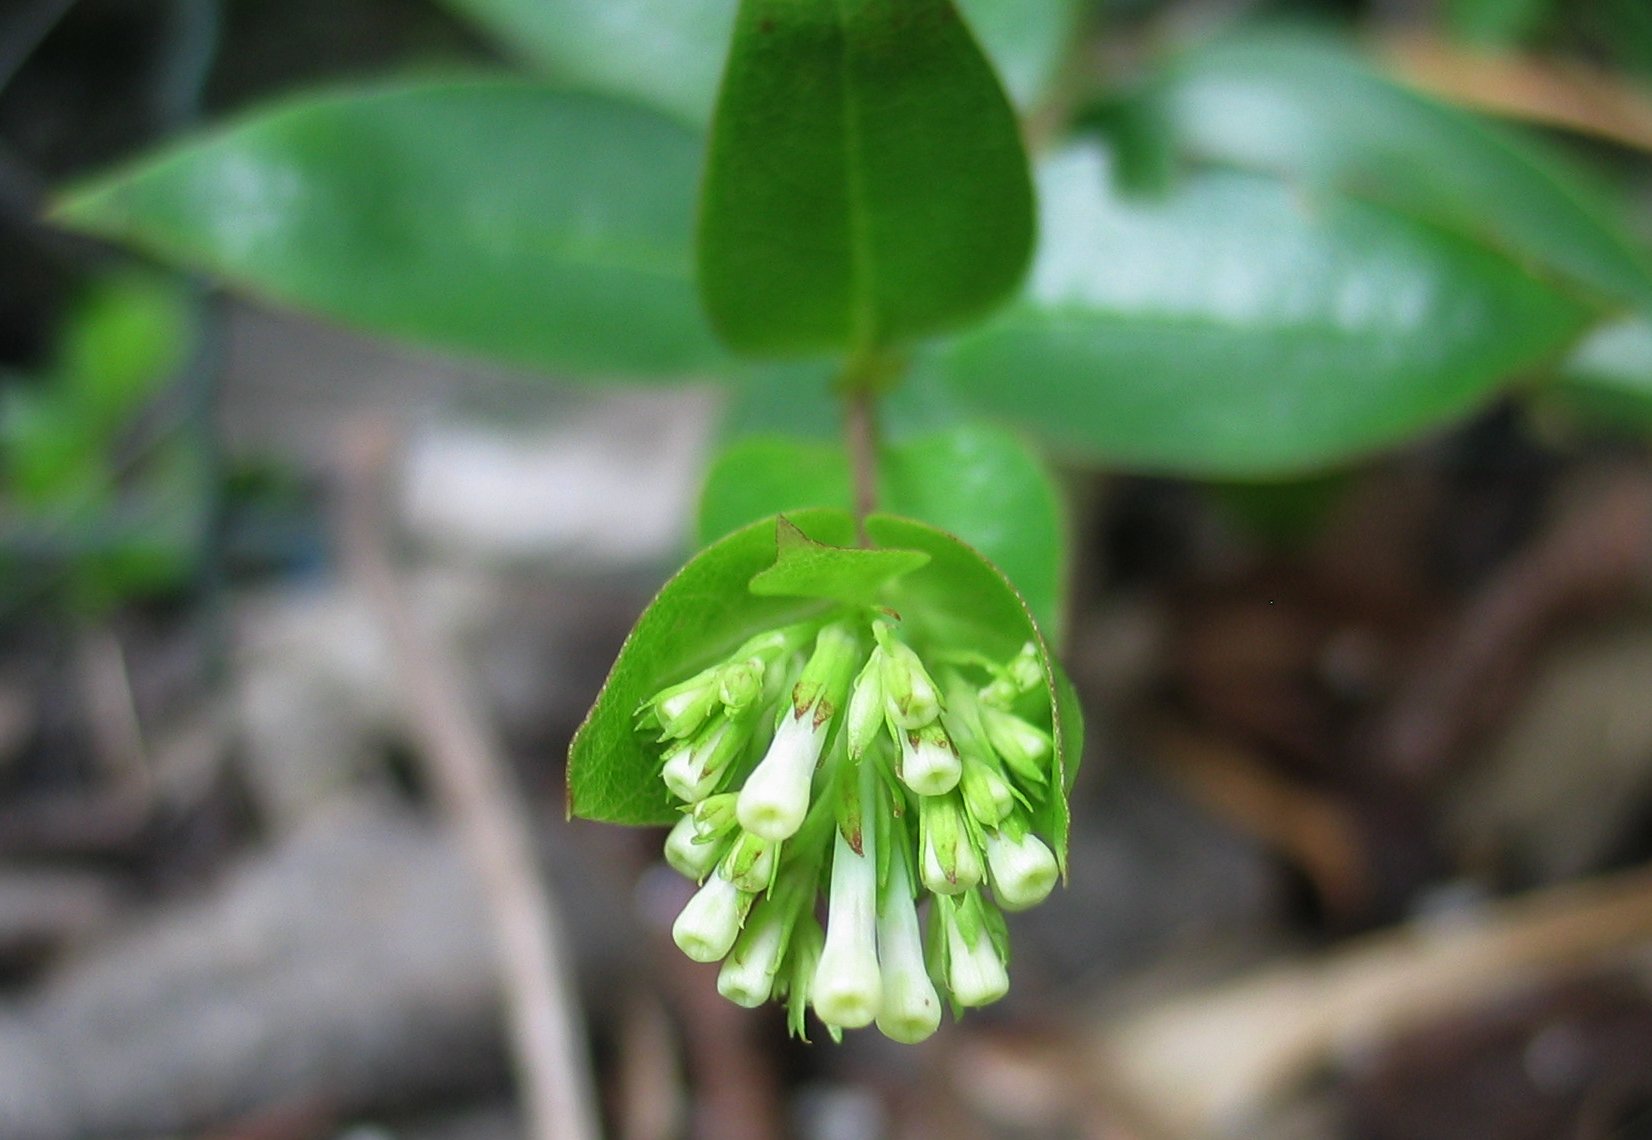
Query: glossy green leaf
x=1238 y=329
x=977 y=481
x=1496 y=23
x=1308 y=108
x=487 y=216
x=1608 y=380
x=955 y=599
x=669 y=53
x=866 y=182
x=804 y=568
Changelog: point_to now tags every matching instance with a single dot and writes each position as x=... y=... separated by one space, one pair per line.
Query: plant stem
x=860 y=427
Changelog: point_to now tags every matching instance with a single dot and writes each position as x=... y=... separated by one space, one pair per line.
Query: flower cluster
x=826 y=753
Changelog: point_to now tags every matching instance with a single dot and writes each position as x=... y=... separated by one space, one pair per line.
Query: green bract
x=878 y=723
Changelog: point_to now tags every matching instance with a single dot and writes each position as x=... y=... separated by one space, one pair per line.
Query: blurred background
x=1361 y=839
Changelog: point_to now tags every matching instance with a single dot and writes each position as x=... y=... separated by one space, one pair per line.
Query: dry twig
x=462 y=763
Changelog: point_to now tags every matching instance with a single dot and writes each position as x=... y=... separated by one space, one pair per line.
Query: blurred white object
x=612 y=482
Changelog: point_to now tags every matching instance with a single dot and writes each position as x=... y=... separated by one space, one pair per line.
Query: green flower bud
x=740 y=684
x=1021 y=675
x=864 y=719
x=751 y=862
x=949 y=863
x=911 y=697
x=1024 y=747
x=987 y=794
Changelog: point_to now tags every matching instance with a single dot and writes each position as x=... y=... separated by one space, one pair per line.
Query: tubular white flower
x=848 y=988
x=1024 y=870
x=686 y=854
x=911 y=1010
x=975 y=974
x=929 y=766
x=709 y=924
x=776 y=796
x=747 y=977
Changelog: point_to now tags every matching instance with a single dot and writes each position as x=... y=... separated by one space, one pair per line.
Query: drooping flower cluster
x=828 y=754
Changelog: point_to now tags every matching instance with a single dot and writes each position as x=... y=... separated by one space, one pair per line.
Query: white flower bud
x=975 y=974
x=709 y=924
x=692 y=770
x=681 y=709
x=848 y=988
x=1024 y=870
x=911 y=1009
x=688 y=854
x=929 y=766
x=747 y=977
x=950 y=866
x=776 y=796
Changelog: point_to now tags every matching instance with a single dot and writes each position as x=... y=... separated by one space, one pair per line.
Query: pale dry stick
x=463 y=764
x=117 y=732
x=1207 y=1063
x=1558 y=93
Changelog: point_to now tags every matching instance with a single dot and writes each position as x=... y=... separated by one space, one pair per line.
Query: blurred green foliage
x=1260 y=255
x=97 y=489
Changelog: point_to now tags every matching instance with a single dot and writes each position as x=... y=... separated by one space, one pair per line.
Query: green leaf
x=977 y=481
x=1496 y=23
x=1307 y=108
x=1240 y=330
x=955 y=599
x=488 y=216
x=669 y=53
x=1607 y=381
x=804 y=568
x=866 y=183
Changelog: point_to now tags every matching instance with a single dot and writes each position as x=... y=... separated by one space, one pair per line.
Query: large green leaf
x=1306 y=107
x=977 y=481
x=489 y=216
x=1238 y=329
x=1607 y=382
x=955 y=599
x=669 y=53
x=866 y=182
